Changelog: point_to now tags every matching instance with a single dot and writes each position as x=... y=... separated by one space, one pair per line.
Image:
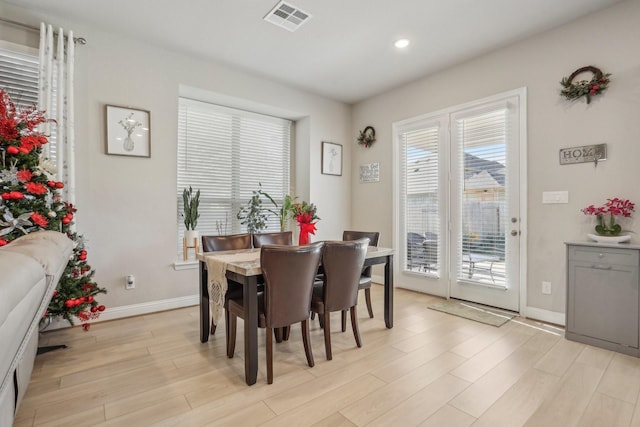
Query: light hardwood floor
x=431 y=369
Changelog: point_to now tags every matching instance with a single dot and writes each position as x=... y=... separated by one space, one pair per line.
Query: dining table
x=248 y=273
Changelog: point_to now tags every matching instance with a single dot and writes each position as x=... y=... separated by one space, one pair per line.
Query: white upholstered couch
x=30 y=268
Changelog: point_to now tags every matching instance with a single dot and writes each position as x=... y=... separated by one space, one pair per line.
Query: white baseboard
x=134 y=310
x=545 y=315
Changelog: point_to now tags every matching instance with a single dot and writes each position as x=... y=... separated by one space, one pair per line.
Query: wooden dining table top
x=252 y=267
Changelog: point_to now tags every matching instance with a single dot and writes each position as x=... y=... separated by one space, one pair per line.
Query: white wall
x=609 y=40
x=127 y=206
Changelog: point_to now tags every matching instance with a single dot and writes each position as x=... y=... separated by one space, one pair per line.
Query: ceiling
x=344 y=51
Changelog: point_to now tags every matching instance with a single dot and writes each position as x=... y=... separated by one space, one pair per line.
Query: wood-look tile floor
x=431 y=369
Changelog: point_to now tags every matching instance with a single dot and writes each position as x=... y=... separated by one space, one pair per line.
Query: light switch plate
x=552 y=197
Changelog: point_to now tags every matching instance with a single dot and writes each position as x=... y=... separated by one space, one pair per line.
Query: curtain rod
x=80 y=40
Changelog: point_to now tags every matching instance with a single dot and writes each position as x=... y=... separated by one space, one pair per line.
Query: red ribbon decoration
x=306 y=228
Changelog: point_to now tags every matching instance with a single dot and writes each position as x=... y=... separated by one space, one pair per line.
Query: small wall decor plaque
x=583 y=154
x=370 y=172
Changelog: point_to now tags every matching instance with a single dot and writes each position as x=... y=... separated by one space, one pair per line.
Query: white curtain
x=56 y=95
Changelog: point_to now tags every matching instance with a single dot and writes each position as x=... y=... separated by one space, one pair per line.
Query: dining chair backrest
x=226 y=243
x=342 y=263
x=288 y=273
x=278 y=238
x=373 y=237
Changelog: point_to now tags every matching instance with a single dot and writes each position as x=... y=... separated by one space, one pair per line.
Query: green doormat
x=479 y=313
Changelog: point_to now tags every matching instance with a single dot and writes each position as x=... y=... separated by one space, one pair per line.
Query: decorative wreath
x=587 y=88
x=367 y=136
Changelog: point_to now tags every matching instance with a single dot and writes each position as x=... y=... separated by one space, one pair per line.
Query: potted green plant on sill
x=254 y=214
x=190 y=215
x=284 y=212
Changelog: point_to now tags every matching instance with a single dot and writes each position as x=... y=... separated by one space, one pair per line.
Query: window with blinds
x=19 y=78
x=482 y=155
x=421 y=202
x=453 y=182
x=227 y=154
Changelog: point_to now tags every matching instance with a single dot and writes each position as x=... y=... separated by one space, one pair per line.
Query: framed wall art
x=331 y=158
x=128 y=131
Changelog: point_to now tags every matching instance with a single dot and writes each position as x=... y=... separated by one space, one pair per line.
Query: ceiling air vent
x=287 y=16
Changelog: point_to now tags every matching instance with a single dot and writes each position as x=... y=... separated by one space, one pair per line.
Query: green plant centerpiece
x=190 y=210
x=254 y=215
x=284 y=212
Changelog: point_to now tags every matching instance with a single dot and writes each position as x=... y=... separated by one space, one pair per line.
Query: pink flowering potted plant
x=606 y=215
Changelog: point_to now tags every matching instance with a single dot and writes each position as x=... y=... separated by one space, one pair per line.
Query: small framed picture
x=128 y=131
x=331 y=158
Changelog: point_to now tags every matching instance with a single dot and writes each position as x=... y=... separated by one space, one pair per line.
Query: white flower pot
x=191 y=236
x=609 y=239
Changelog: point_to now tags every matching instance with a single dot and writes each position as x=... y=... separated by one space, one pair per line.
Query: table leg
x=388 y=292
x=204 y=304
x=250 y=301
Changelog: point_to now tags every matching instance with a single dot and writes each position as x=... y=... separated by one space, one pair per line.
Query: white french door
x=485 y=204
x=459 y=216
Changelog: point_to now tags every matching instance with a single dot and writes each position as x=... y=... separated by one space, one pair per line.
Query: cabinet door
x=603 y=302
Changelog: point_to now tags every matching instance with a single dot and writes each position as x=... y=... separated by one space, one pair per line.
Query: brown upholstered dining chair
x=342 y=263
x=365 y=277
x=278 y=238
x=227 y=243
x=288 y=273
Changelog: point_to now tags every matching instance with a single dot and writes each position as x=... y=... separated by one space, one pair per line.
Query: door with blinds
x=485 y=204
x=459 y=201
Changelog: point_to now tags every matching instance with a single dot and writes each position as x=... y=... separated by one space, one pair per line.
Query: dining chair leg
x=286 y=331
x=327 y=335
x=277 y=332
x=306 y=340
x=269 y=346
x=367 y=296
x=343 y=314
x=213 y=328
x=231 y=336
x=354 y=325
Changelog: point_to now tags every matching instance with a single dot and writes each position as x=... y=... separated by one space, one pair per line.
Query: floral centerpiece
x=305 y=214
x=31 y=201
x=612 y=208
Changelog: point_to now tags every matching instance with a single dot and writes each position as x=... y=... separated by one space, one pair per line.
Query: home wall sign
x=370 y=172
x=583 y=154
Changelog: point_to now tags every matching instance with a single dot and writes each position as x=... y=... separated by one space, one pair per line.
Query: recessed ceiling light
x=402 y=43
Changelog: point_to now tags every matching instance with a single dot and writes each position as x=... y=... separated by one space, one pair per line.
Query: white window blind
x=226 y=154
x=19 y=77
x=481 y=137
x=421 y=201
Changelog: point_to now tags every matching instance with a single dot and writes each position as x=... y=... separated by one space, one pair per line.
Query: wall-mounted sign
x=370 y=172
x=584 y=154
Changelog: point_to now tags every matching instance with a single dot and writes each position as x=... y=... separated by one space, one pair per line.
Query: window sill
x=185 y=265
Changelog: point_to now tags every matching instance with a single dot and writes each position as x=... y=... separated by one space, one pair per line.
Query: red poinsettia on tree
x=30 y=200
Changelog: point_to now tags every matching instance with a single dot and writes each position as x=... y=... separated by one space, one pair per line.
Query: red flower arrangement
x=614 y=207
x=305 y=214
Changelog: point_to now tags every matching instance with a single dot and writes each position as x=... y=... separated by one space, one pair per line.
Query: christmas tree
x=31 y=201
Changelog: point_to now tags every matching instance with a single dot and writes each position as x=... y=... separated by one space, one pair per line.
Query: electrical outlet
x=130 y=282
x=546 y=288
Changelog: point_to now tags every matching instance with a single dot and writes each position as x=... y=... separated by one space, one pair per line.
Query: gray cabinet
x=602 y=296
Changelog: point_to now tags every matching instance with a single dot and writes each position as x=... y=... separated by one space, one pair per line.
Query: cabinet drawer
x=608 y=256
